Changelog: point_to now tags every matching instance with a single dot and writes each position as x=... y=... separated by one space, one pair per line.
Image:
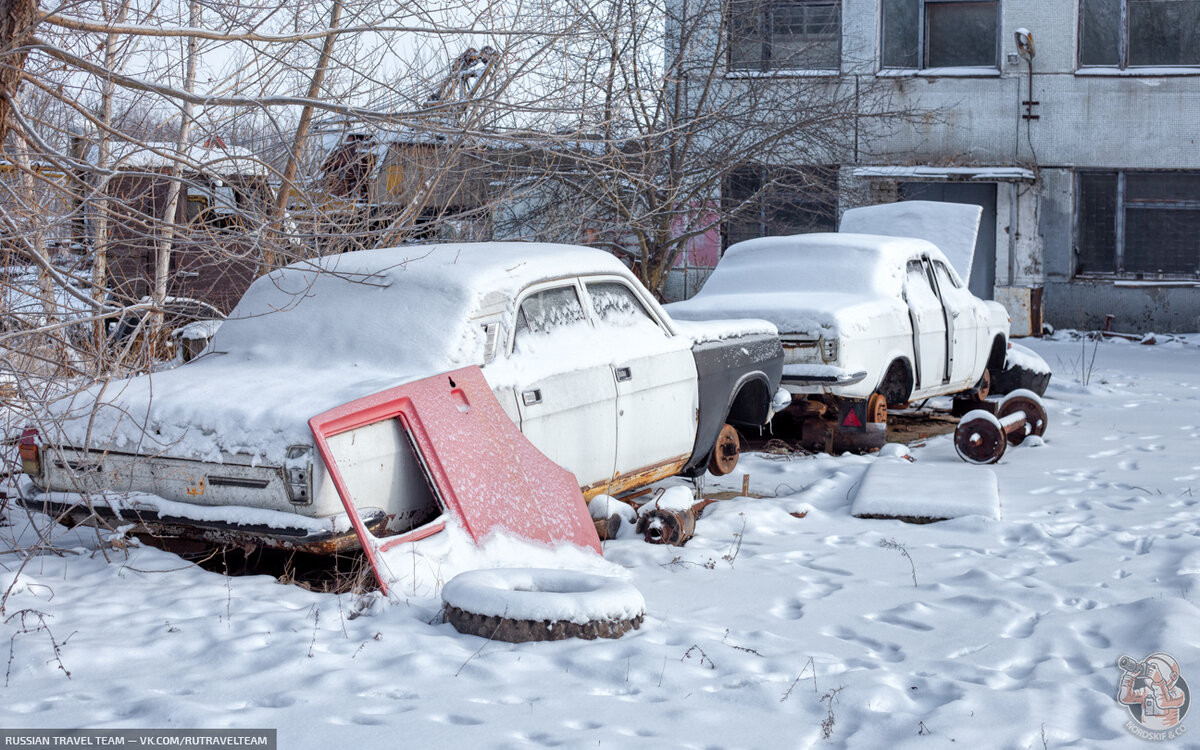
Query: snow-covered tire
x=1023 y=369
x=535 y=604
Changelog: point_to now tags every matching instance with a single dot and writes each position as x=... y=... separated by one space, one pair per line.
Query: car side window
x=920 y=293
x=548 y=309
x=945 y=279
x=616 y=305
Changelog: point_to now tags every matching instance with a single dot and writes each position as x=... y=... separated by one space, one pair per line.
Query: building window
x=1133 y=33
x=773 y=201
x=940 y=33
x=768 y=35
x=1139 y=224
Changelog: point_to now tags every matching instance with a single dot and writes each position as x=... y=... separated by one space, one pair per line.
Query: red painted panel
x=484 y=470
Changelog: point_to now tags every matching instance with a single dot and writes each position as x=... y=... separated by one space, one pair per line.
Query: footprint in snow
x=825 y=569
x=1021 y=629
x=891 y=617
x=788 y=609
x=1094 y=638
x=582 y=725
x=886 y=651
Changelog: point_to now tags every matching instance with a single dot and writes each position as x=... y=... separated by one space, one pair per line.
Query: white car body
x=859 y=314
x=594 y=372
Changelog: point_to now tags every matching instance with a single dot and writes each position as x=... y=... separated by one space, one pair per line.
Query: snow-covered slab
x=936 y=491
x=952 y=227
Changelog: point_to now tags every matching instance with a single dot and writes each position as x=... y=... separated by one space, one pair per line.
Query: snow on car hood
x=952 y=227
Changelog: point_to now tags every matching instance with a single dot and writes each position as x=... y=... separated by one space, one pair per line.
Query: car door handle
x=623 y=374
x=532 y=397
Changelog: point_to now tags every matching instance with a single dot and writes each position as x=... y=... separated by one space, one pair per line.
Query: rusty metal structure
x=835 y=425
x=214 y=254
x=982 y=437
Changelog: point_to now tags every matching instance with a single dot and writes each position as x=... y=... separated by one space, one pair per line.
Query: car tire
x=541 y=605
x=1014 y=376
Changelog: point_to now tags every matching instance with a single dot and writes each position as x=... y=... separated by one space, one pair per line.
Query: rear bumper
x=817 y=378
x=153 y=523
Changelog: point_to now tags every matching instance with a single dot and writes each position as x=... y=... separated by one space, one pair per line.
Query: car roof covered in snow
x=409 y=304
x=490 y=265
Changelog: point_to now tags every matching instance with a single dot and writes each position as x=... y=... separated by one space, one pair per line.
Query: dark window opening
x=766 y=35
x=940 y=33
x=764 y=201
x=1139 y=33
x=1139 y=224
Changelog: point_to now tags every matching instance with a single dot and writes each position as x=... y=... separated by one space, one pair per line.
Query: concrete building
x=1072 y=122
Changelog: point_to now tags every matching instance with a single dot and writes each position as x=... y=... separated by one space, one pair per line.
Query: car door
x=655 y=376
x=565 y=395
x=929 y=325
x=963 y=323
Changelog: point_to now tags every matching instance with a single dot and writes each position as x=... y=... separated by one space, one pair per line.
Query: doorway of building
x=983 y=268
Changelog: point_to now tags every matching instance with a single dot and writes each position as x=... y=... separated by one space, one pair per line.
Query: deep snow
x=766 y=630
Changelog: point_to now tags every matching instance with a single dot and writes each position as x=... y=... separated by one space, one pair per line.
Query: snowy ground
x=765 y=631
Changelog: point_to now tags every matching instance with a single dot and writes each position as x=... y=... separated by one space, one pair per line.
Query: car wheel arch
x=998 y=353
x=898 y=381
x=749 y=399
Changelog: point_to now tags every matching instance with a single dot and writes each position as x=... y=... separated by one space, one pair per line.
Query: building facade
x=1073 y=123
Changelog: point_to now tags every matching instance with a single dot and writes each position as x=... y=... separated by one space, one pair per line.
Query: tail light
x=27 y=447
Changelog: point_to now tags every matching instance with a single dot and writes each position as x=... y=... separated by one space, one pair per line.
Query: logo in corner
x=1156 y=695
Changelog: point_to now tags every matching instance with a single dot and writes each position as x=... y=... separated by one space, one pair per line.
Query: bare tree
x=672 y=139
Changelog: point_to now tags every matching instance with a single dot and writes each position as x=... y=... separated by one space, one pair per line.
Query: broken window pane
x=784 y=34
x=960 y=34
x=1164 y=32
x=1100 y=26
x=901 y=22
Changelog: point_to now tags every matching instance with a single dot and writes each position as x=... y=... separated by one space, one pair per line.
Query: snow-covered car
x=861 y=314
x=580 y=356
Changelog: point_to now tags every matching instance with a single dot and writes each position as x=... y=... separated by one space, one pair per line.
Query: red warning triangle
x=852 y=419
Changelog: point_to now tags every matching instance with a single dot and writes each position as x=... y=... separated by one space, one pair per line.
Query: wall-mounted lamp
x=1025 y=46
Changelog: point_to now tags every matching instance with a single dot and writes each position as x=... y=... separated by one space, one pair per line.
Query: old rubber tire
x=1015 y=376
x=724 y=456
x=516 y=605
